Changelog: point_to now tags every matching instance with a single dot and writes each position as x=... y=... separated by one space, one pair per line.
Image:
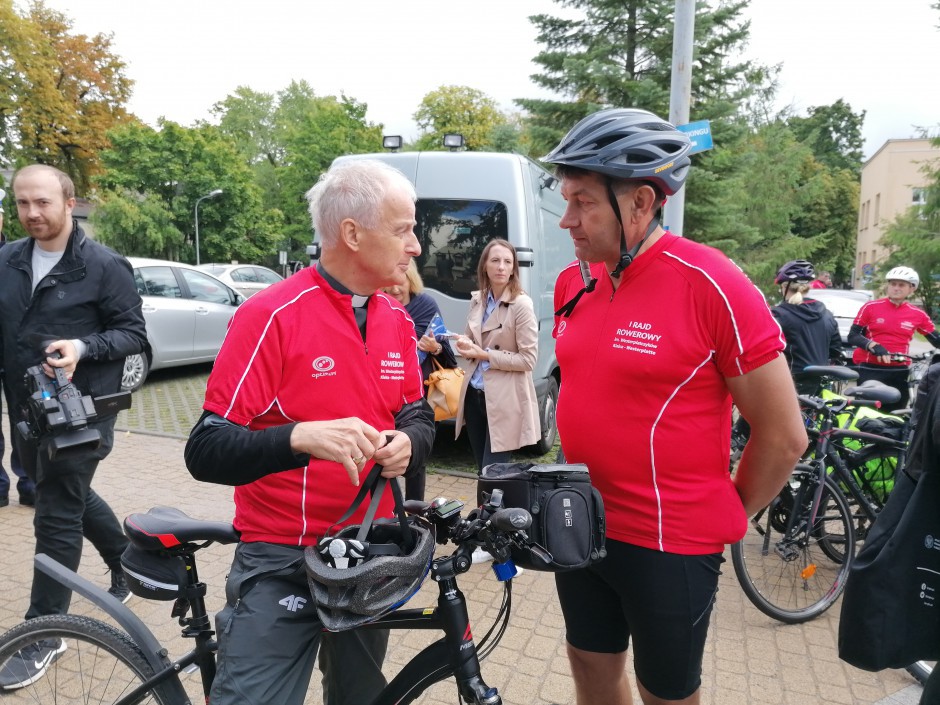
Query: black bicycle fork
x=455 y=653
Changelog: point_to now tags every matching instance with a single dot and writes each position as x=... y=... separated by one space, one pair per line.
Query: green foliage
x=288 y=140
x=152 y=181
x=459 y=109
x=60 y=92
x=834 y=133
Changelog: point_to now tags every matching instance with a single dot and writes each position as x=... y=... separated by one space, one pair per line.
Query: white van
x=466 y=199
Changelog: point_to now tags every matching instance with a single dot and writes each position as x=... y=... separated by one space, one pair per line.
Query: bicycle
x=795 y=557
x=103 y=664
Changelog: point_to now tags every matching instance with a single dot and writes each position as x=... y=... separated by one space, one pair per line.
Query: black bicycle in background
x=794 y=560
x=102 y=664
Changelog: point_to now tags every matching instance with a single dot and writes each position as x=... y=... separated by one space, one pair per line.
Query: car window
x=453 y=234
x=266 y=276
x=157 y=281
x=244 y=275
x=204 y=288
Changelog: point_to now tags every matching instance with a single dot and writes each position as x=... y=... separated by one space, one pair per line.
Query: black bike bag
x=567 y=512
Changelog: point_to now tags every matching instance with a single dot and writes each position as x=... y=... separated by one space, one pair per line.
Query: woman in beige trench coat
x=497 y=402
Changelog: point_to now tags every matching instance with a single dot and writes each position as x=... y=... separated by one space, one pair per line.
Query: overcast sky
x=184 y=56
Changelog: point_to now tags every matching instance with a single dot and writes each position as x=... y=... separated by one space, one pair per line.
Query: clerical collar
x=357 y=300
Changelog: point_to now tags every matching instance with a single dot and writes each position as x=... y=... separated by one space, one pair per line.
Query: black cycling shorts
x=662 y=600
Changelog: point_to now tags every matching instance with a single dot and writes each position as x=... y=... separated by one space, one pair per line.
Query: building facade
x=892 y=182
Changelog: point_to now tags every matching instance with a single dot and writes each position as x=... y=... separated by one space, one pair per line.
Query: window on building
x=918 y=196
x=877 y=208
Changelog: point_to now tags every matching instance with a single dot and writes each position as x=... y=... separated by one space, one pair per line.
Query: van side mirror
x=548 y=181
x=314 y=250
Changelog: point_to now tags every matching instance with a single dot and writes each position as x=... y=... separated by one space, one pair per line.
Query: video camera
x=57 y=415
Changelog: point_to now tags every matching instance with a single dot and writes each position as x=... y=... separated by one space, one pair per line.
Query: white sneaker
x=480 y=556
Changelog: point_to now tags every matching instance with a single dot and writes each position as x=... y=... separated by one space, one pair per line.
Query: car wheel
x=136 y=368
x=547 y=419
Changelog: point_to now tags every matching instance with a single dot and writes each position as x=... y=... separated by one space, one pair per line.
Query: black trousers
x=478 y=430
x=67 y=510
x=892 y=376
x=23 y=484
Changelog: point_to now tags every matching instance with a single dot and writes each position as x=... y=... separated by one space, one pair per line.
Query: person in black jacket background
x=25 y=487
x=810 y=329
x=61 y=292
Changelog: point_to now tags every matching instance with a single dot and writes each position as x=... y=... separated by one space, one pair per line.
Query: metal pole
x=211 y=194
x=197 y=229
x=680 y=96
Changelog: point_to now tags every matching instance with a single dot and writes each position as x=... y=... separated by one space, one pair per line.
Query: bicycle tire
x=99 y=665
x=791 y=579
x=921 y=671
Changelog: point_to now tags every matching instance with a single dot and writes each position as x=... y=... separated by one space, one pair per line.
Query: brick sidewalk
x=749 y=658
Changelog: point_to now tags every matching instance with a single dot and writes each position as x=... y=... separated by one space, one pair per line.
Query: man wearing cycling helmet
x=317 y=380
x=884 y=327
x=655 y=336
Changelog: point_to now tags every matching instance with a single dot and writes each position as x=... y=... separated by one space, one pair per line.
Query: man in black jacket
x=61 y=292
x=24 y=486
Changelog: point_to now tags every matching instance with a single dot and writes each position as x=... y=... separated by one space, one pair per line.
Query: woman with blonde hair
x=810 y=329
x=497 y=402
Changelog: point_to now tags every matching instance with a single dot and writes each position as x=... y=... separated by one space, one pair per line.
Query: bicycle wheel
x=99 y=664
x=785 y=572
x=921 y=670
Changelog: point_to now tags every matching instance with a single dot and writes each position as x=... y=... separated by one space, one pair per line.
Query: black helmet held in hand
x=355 y=582
x=798 y=270
x=626 y=143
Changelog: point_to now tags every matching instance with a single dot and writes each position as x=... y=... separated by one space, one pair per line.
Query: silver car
x=187 y=313
x=247 y=279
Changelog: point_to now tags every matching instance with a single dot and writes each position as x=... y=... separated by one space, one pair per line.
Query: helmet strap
x=626 y=255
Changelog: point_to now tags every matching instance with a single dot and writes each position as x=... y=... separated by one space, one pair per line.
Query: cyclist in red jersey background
x=887 y=326
x=318 y=377
x=654 y=338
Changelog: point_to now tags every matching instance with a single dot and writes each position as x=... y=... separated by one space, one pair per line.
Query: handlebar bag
x=567 y=511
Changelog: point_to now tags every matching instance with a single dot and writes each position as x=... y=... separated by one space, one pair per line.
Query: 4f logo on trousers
x=293 y=603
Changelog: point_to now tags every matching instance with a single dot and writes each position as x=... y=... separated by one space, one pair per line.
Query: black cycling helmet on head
x=626 y=143
x=798 y=270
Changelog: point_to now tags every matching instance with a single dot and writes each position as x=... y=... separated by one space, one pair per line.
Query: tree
x=289 y=139
x=619 y=53
x=458 y=109
x=834 y=133
x=151 y=181
x=60 y=92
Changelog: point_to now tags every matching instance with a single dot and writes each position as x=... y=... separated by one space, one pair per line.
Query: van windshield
x=453 y=234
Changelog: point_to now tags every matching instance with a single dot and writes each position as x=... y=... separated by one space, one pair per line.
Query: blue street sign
x=868 y=270
x=700 y=133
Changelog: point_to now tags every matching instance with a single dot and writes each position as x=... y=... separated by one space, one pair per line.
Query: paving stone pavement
x=749 y=659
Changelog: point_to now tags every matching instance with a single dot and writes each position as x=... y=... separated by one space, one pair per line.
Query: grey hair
x=353 y=189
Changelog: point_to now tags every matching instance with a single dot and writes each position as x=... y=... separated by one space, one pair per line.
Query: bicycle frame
x=456 y=653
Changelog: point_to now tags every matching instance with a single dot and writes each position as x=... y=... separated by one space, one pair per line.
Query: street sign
x=868 y=270
x=282 y=257
x=700 y=133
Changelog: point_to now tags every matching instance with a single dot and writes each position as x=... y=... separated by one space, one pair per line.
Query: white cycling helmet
x=904 y=274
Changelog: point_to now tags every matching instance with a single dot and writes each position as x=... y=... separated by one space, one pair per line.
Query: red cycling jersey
x=294 y=353
x=890 y=326
x=643 y=398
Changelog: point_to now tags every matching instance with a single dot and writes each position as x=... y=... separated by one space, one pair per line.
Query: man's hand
x=68 y=360
x=350 y=442
x=395 y=455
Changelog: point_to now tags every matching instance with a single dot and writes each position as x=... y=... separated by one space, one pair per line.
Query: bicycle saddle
x=833 y=371
x=166 y=527
x=873 y=390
